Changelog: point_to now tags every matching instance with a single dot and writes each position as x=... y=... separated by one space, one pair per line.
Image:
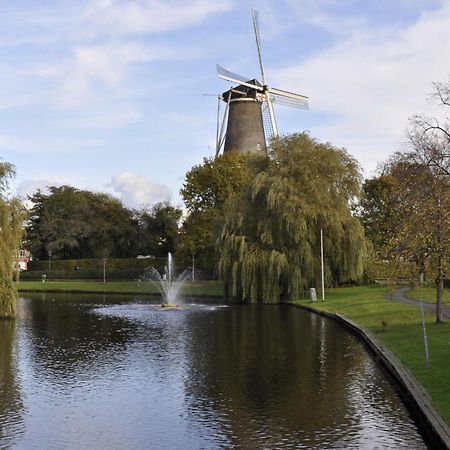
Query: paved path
x=401 y=295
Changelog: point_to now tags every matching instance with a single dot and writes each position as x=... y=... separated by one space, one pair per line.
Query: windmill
x=249 y=115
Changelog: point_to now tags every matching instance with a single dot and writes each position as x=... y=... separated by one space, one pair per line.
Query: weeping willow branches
x=11 y=217
x=270 y=241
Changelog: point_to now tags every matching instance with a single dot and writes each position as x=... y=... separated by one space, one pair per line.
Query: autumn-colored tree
x=422 y=197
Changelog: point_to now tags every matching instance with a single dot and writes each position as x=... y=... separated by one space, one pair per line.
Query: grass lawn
x=201 y=288
x=367 y=306
x=429 y=295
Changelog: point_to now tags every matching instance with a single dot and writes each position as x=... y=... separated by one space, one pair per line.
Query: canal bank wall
x=413 y=393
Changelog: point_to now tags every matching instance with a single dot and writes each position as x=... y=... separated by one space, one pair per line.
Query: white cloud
x=28 y=188
x=150 y=16
x=137 y=191
x=100 y=118
x=372 y=80
x=100 y=67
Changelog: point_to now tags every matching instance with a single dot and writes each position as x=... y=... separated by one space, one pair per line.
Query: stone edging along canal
x=415 y=395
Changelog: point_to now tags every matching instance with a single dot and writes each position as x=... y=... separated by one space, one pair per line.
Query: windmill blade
x=287 y=98
x=226 y=74
x=288 y=94
x=267 y=122
x=255 y=16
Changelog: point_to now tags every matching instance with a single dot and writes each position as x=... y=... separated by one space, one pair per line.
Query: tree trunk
x=439 y=291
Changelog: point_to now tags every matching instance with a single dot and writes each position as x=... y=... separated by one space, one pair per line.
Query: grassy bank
x=198 y=289
x=367 y=306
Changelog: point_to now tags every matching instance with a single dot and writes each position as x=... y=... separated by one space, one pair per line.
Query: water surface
x=96 y=372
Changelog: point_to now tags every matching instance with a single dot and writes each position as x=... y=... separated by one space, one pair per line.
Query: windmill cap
x=241 y=91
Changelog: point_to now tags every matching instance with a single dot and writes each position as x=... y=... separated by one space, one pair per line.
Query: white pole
x=425 y=338
x=321 y=261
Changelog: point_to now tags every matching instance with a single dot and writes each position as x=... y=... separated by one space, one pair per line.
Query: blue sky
x=107 y=95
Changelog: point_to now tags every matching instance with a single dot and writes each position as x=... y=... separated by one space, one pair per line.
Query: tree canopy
x=69 y=223
x=270 y=240
x=11 y=218
x=406 y=210
x=158 y=229
x=205 y=191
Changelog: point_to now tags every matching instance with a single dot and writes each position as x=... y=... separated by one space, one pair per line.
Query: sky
x=108 y=95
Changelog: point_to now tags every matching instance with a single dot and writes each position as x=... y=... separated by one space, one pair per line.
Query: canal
x=92 y=372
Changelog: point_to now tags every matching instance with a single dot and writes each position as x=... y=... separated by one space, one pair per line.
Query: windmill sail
x=268 y=130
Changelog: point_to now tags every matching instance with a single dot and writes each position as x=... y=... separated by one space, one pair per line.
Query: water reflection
x=113 y=373
x=280 y=376
x=11 y=407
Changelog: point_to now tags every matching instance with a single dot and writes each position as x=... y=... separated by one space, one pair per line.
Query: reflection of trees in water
x=11 y=407
x=67 y=338
x=279 y=372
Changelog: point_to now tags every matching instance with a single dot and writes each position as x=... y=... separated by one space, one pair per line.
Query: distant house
x=24 y=257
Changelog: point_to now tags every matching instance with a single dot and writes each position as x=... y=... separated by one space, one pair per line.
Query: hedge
x=91 y=269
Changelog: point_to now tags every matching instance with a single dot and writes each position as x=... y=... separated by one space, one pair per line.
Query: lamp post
x=49 y=261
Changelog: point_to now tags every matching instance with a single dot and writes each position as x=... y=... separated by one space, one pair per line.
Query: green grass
x=428 y=295
x=200 y=289
x=367 y=306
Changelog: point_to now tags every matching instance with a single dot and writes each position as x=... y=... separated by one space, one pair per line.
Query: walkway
x=400 y=295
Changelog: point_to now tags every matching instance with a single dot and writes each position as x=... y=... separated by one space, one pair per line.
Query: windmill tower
x=249 y=114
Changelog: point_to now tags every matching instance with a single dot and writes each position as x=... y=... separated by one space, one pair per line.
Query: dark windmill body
x=249 y=116
x=245 y=128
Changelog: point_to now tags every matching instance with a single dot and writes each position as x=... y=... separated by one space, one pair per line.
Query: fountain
x=168 y=284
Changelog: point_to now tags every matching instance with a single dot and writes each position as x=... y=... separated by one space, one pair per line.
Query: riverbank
x=196 y=289
x=399 y=327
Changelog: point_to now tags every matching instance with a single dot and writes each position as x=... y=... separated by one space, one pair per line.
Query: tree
x=378 y=213
x=270 y=241
x=422 y=196
x=430 y=142
x=158 y=229
x=205 y=191
x=11 y=218
x=432 y=135
x=72 y=223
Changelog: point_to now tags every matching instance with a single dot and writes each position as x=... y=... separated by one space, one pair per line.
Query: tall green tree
x=158 y=229
x=72 y=223
x=270 y=241
x=378 y=212
x=205 y=191
x=11 y=219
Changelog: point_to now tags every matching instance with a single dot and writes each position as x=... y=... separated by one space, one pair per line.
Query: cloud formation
x=371 y=80
x=137 y=191
x=151 y=16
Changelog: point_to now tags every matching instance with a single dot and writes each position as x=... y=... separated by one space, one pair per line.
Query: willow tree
x=270 y=241
x=11 y=217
